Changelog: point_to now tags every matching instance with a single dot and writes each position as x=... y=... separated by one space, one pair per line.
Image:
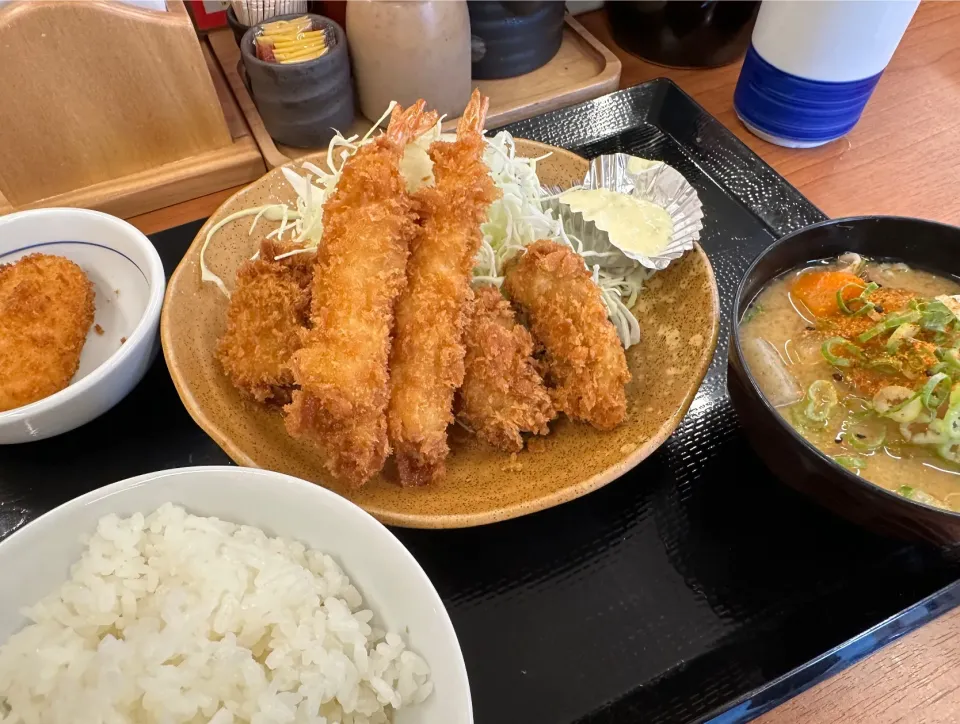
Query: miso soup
x=862 y=358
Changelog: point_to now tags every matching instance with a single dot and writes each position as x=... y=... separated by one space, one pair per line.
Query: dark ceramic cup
x=302 y=103
x=921 y=244
x=513 y=38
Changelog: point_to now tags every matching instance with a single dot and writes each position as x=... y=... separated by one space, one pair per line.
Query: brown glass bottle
x=682 y=33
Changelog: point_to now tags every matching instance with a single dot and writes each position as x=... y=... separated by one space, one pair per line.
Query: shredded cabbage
x=518 y=219
x=514 y=221
x=305 y=222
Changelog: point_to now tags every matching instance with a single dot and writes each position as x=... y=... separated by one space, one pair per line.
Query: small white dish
x=129 y=282
x=38 y=558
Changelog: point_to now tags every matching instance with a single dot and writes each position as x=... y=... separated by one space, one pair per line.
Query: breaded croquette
x=266 y=315
x=502 y=394
x=46 y=310
x=586 y=364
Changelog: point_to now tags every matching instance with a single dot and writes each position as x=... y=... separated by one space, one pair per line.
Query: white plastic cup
x=813 y=64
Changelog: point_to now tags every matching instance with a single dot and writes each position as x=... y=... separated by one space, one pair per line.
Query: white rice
x=178 y=618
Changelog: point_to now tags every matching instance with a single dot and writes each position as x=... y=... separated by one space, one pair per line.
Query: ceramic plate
x=128 y=281
x=392 y=583
x=679 y=318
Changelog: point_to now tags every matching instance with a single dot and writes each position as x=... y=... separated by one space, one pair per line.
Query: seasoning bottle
x=405 y=50
x=812 y=66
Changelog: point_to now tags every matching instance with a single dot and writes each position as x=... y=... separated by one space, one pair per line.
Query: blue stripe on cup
x=799 y=111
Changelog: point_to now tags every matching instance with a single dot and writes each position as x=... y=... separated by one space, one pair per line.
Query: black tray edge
x=771 y=695
x=771 y=176
x=737 y=172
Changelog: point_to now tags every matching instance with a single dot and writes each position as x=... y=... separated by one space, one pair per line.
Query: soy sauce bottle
x=684 y=34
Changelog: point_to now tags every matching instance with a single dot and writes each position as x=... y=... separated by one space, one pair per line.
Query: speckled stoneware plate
x=679 y=318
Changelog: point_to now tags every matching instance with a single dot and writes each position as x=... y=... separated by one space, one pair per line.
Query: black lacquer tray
x=696 y=587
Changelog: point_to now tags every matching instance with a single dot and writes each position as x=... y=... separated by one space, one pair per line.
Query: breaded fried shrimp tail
x=586 y=365
x=407 y=125
x=502 y=394
x=358 y=277
x=427 y=358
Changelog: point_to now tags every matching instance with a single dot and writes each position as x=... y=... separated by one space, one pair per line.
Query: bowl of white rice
x=222 y=595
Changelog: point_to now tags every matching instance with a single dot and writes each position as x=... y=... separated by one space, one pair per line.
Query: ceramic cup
x=512 y=38
x=302 y=103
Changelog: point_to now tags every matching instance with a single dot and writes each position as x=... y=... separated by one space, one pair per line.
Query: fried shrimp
x=586 y=365
x=267 y=313
x=46 y=310
x=359 y=275
x=502 y=394
x=427 y=358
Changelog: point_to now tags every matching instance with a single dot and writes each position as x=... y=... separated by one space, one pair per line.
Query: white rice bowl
x=171 y=617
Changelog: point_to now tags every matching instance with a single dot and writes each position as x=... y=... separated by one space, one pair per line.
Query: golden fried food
x=502 y=394
x=358 y=277
x=268 y=311
x=586 y=365
x=426 y=364
x=46 y=309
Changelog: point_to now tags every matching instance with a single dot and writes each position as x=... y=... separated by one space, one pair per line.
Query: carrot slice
x=818 y=290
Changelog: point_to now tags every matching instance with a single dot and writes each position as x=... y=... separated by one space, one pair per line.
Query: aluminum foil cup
x=652 y=181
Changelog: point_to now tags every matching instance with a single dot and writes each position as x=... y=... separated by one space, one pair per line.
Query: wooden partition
x=103 y=103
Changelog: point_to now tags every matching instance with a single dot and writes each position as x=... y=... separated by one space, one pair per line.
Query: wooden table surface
x=902 y=158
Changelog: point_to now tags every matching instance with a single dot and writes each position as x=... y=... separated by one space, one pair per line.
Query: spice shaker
x=410 y=49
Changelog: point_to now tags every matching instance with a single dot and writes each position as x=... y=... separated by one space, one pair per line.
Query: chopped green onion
x=907 y=411
x=821 y=399
x=893 y=395
x=933 y=435
x=865 y=306
x=851 y=462
x=841 y=302
x=936 y=391
x=866 y=437
x=752 y=313
x=949 y=357
x=955 y=394
x=800 y=419
x=919 y=496
x=900 y=404
x=828 y=347
x=893 y=320
x=948 y=451
x=951 y=422
x=886 y=365
x=936 y=316
x=904 y=331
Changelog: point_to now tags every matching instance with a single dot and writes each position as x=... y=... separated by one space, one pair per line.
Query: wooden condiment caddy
x=582 y=69
x=113 y=107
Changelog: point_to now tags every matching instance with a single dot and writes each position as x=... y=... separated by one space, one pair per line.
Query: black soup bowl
x=921 y=244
